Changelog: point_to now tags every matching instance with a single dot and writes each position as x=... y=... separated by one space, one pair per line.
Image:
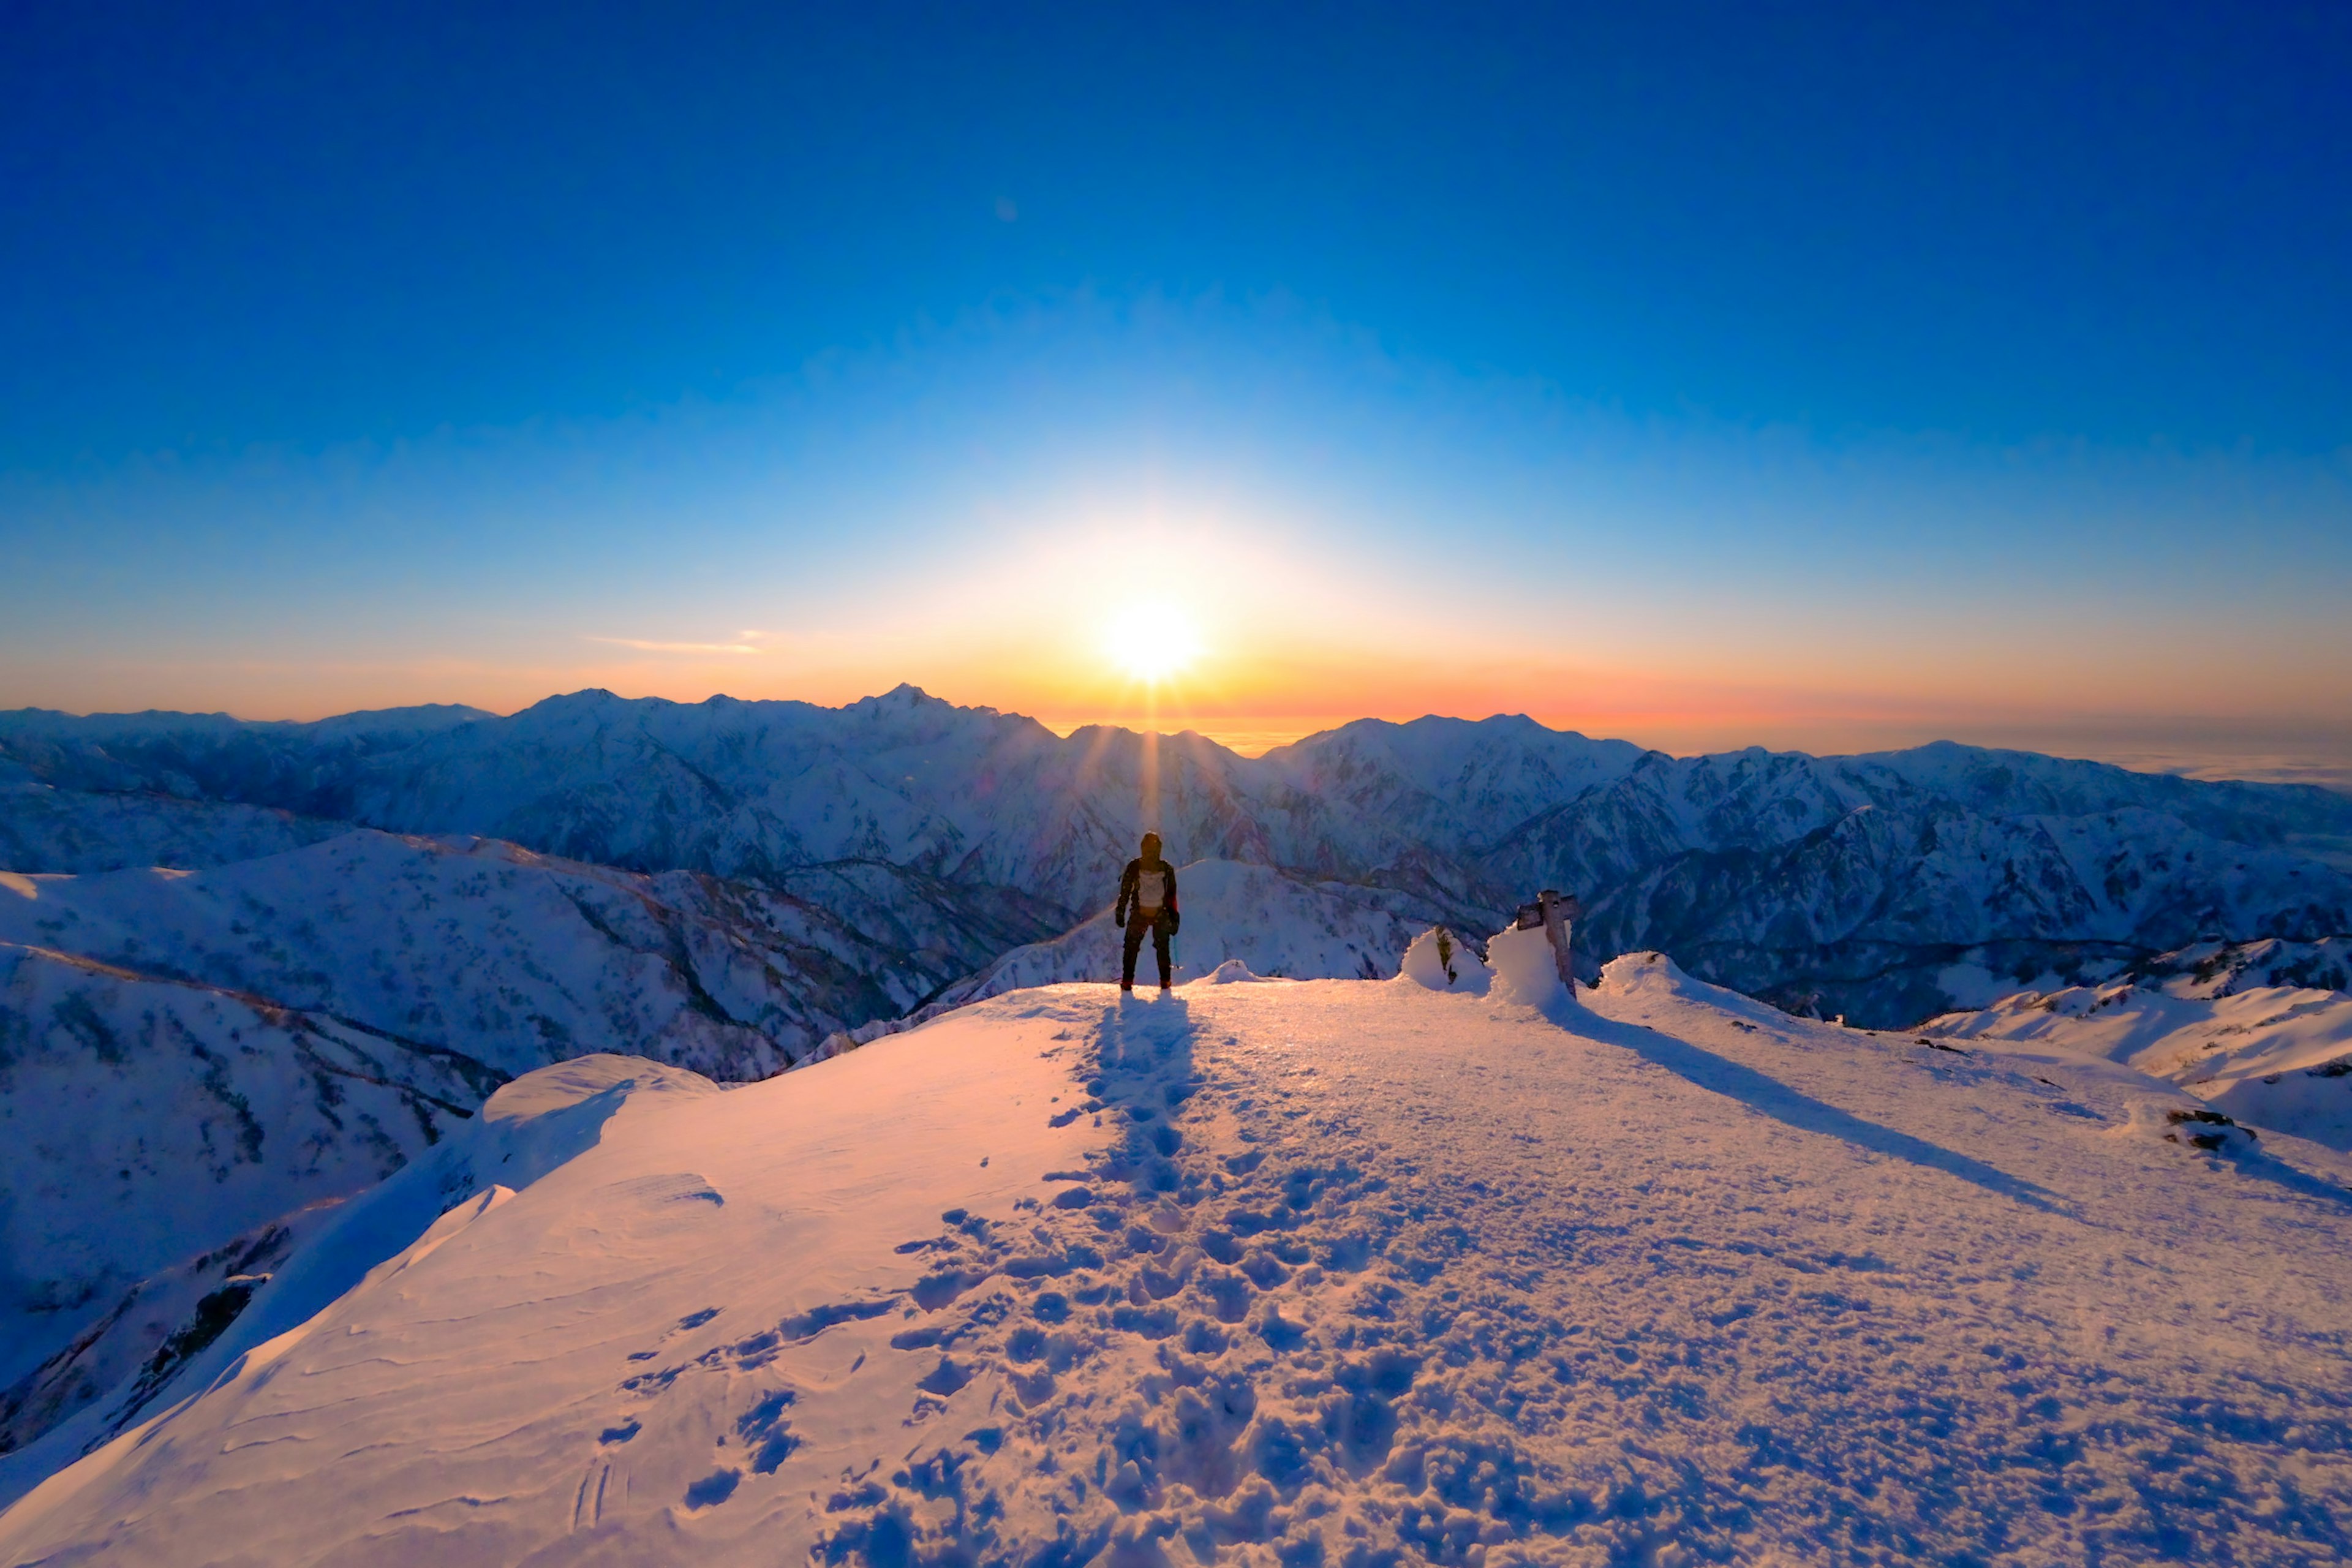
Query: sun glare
x=1153 y=643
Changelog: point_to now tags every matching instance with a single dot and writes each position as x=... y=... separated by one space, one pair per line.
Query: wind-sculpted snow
x=1335 y=1272
x=1836 y=885
x=1278 y=926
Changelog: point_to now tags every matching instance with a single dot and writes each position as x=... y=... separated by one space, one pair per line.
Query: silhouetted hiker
x=1146 y=902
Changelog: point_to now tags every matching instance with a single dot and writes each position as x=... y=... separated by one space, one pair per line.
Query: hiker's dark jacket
x=1127 y=900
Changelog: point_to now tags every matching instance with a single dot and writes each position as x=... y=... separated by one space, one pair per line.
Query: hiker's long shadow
x=1143 y=1068
x=1765 y=1094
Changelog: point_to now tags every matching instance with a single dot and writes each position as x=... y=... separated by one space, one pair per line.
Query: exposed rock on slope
x=113 y=1365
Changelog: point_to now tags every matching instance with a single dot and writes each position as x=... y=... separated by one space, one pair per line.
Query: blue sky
x=1803 y=375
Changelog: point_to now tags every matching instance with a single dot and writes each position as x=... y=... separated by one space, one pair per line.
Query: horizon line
x=1252 y=742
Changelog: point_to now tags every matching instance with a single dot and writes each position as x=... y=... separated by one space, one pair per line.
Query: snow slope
x=47 y=829
x=186 y=1056
x=180 y=1327
x=2223 y=969
x=1335 y=1271
x=2277 y=1057
x=143 y=1121
x=1277 y=925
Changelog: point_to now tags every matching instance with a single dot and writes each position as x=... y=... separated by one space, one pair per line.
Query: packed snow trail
x=1330 y=1272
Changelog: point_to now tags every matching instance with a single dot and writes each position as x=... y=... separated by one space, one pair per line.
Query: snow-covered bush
x=1438 y=960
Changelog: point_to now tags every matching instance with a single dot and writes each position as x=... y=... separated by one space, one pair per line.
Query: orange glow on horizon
x=1228 y=638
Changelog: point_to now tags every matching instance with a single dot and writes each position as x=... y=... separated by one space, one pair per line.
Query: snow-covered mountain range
x=1841 y=885
x=1336 y=1272
x=46 y=829
x=477 y=947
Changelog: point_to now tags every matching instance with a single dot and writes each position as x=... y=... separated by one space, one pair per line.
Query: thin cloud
x=642 y=645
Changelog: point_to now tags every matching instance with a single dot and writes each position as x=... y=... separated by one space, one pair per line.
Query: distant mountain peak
x=587 y=697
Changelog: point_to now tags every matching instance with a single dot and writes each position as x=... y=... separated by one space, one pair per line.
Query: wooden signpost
x=1556 y=912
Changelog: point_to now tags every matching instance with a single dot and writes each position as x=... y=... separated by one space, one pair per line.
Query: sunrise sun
x=1151 y=642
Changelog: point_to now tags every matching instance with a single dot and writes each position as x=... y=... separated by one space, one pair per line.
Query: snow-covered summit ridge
x=271 y=1283
x=1348 y=1272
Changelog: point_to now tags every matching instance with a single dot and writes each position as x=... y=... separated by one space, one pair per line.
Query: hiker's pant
x=1156 y=922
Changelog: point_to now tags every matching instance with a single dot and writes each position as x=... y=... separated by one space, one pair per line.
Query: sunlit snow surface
x=2277 y=1056
x=1334 y=1271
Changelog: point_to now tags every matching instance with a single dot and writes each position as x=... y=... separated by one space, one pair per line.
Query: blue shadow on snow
x=1768 y=1095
